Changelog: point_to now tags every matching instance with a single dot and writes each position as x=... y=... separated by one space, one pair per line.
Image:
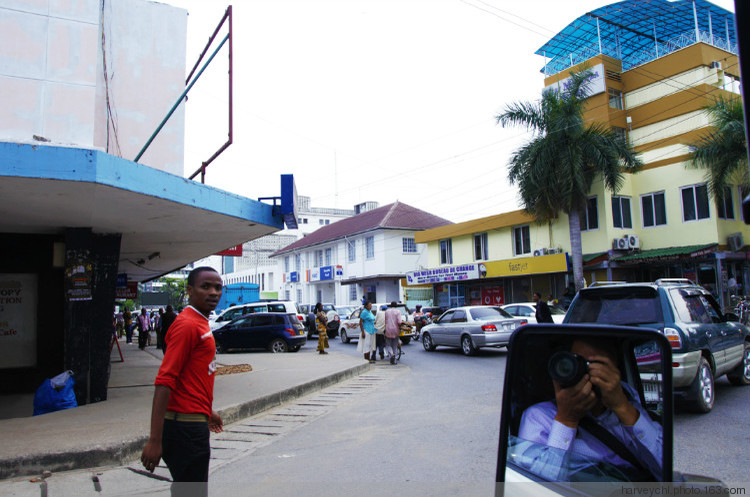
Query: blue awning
x=638 y=31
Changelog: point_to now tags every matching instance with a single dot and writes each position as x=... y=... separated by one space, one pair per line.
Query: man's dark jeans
x=186 y=450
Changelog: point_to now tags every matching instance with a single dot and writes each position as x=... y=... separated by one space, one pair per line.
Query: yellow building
x=656 y=66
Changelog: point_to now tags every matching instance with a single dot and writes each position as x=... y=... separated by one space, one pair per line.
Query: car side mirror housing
x=535 y=447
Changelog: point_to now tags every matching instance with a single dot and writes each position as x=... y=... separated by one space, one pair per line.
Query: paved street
x=429 y=423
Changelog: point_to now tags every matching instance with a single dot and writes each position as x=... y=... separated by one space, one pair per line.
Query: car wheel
x=741 y=374
x=427 y=342
x=344 y=337
x=278 y=345
x=405 y=340
x=467 y=346
x=702 y=390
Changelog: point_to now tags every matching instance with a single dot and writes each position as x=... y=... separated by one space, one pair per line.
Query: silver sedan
x=471 y=327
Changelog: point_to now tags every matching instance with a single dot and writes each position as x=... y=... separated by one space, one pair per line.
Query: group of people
x=379 y=332
x=145 y=323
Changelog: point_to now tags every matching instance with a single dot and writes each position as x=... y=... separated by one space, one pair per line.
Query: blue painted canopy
x=637 y=31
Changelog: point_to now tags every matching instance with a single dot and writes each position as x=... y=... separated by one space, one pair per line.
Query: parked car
x=705 y=343
x=349 y=329
x=471 y=328
x=232 y=313
x=276 y=332
x=528 y=310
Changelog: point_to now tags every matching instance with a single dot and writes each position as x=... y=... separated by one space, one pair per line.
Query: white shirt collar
x=198 y=312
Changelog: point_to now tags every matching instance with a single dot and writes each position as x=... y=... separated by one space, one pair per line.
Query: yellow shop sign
x=553 y=263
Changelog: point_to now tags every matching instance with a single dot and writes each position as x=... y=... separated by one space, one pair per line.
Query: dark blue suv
x=705 y=343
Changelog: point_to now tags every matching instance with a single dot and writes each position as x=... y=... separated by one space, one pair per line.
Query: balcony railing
x=638 y=58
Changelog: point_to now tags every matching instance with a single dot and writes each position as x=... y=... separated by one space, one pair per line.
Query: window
x=724 y=205
x=694 y=202
x=521 y=240
x=409 y=246
x=620 y=133
x=480 y=247
x=352 y=248
x=297 y=262
x=328 y=221
x=287 y=295
x=328 y=257
x=318 y=259
x=352 y=293
x=654 y=210
x=590 y=217
x=286 y=264
x=621 y=212
x=299 y=295
x=446 y=252
x=615 y=98
x=370 y=246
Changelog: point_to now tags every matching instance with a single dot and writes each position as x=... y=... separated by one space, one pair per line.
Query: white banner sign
x=447 y=273
x=18 y=300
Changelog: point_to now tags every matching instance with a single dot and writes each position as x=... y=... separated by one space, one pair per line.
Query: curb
x=129 y=450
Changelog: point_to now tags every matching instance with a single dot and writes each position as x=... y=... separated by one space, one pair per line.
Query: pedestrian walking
x=380 y=330
x=119 y=323
x=144 y=328
x=182 y=414
x=157 y=329
x=166 y=323
x=128 y=319
x=366 y=343
x=393 y=321
x=320 y=314
x=543 y=314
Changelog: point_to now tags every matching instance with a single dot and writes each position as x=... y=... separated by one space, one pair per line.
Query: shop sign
x=339 y=272
x=706 y=251
x=130 y=292
x=324 y=273
x=18 y=302
x=472 y=271
x=493 y=295
x=521 y=266
x=235 y=251
x=294 y=277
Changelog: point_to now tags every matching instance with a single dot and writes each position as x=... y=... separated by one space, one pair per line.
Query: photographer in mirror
x=594 y=419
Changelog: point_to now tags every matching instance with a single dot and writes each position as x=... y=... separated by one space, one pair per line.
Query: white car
x=528 y=310
x=231 y=313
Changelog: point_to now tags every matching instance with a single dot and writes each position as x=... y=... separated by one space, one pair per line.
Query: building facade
x=651 y=81
x=363 y=256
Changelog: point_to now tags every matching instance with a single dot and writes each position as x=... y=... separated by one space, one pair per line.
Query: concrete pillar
x=91 y=262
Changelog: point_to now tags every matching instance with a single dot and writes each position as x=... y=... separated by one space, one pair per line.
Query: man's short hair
x=195 y=272
x=393 y=304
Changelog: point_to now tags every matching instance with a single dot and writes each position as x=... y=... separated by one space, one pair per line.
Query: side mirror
x=535 y=447
x=730 y=316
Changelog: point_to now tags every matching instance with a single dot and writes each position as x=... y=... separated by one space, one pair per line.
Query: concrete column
x=90 y=280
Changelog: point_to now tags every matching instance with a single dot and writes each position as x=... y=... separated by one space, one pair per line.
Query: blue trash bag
x=55 y=394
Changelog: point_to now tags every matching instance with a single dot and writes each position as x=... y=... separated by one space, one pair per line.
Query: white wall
x=52 y=81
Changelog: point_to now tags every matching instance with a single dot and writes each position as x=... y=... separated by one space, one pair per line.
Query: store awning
x=668 y=254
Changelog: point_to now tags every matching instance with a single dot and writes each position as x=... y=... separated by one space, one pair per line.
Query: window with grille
x=409 y=245
x=370 y=246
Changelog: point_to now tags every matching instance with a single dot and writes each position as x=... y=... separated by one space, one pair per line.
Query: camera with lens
x=567 y=368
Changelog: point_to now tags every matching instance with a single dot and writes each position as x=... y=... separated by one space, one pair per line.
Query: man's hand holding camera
x=599 y=389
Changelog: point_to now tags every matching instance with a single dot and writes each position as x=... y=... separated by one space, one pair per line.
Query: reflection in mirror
x=586 y=408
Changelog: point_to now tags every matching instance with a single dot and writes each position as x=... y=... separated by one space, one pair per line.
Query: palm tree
x=723 y=152
x=556 y=168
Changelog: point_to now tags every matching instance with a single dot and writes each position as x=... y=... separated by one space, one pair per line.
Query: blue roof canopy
x=638 y=31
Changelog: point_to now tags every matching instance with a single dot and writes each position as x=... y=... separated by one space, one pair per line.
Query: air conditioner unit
x=735 y=242
x=538 y=252
x=553 y=250
x=633 y=241
x=715 y=65
x=620 y=243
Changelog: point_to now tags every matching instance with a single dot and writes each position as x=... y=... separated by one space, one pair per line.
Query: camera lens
x=567 y=368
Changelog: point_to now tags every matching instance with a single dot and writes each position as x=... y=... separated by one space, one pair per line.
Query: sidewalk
x=114 y=432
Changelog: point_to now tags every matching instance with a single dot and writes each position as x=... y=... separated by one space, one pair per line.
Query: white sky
x=379 y=100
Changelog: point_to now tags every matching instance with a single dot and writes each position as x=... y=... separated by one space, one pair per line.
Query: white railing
x=639 y=58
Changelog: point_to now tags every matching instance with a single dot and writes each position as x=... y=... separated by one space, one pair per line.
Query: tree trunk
x=574 y=224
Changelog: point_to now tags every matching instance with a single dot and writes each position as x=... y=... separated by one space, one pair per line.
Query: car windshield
x=488 y=313
x=328 y=307
x=631 y=306
x=557 y=311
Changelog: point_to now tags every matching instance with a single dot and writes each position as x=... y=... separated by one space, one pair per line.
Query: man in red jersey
x=182 y=414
